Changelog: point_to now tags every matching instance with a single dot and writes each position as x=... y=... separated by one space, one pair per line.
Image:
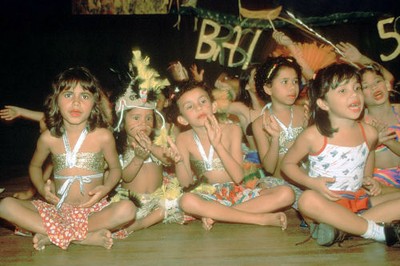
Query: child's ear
x=214 y=107
x=322 y=104
x=182 y=121
x=267 y=89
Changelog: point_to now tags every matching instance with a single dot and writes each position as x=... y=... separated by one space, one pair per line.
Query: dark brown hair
x=328 y=78
x=67 y=79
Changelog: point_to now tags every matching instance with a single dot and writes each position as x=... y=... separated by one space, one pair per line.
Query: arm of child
x=132 y=169
x=296 y=52
x=182 y=167
x=107 y=144
x=390 y=141
x=256 y=102
x=386 y=135
x=231 y=157
x=40 y=155
x=352 y=54
x=266 y=134
x=388 y=138
x=11 y=112
x=161 y=153
x=291 y=161
x=197 y=75
x=172 y=151
x=371 y=185
x=239 y=109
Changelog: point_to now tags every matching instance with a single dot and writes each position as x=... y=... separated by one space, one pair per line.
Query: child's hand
x=196 y=74
x=142 y=145
x=271 y=126
x=49 y=193
x=281 y=38
x=213 y=130
x=143 y=140
x=96 y=195
x=10 y=112
x=372 y=186
x=350 y=52
x=140 y=152
x=172 y=151
x=321 y=185
x=385 y=134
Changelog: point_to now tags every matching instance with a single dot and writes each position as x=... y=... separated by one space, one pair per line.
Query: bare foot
x=40 y=241
x=100 y=238
x=282 y=219
x=207 y=223
x=276 y=219
x=25 y=195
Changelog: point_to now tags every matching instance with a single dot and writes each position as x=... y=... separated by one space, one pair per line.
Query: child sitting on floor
x=79 y=142
x=341 y=192
x=142 y=160
x=213 y=152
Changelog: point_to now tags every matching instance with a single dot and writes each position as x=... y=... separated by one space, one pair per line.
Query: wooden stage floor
x=172 y=244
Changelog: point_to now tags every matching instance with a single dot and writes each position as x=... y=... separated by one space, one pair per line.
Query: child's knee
x=288 y=195
x=308 y=200
x=126 y=211
x=188 y=201
x=6 y=205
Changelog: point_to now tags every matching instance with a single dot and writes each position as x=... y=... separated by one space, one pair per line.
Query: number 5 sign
x=388 y=35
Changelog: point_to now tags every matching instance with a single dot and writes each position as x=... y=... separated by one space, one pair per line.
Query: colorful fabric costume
x=165 y=197
x=228 y=194
x=65 y=223
x=389 y=176
x=346 y=165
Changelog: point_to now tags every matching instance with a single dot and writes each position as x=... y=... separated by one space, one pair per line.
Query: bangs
x=343 y=78
x=72 y=78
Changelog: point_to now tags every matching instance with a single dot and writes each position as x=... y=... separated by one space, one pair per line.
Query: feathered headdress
x=145 y=84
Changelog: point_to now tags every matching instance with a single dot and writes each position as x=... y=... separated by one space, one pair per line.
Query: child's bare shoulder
x=184 y=136
x=103 y=134
x=47 y=136
x=46 y=139
x=310 y=135
x=312 y=138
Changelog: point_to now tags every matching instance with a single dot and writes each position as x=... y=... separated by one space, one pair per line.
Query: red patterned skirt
x=67 y=224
